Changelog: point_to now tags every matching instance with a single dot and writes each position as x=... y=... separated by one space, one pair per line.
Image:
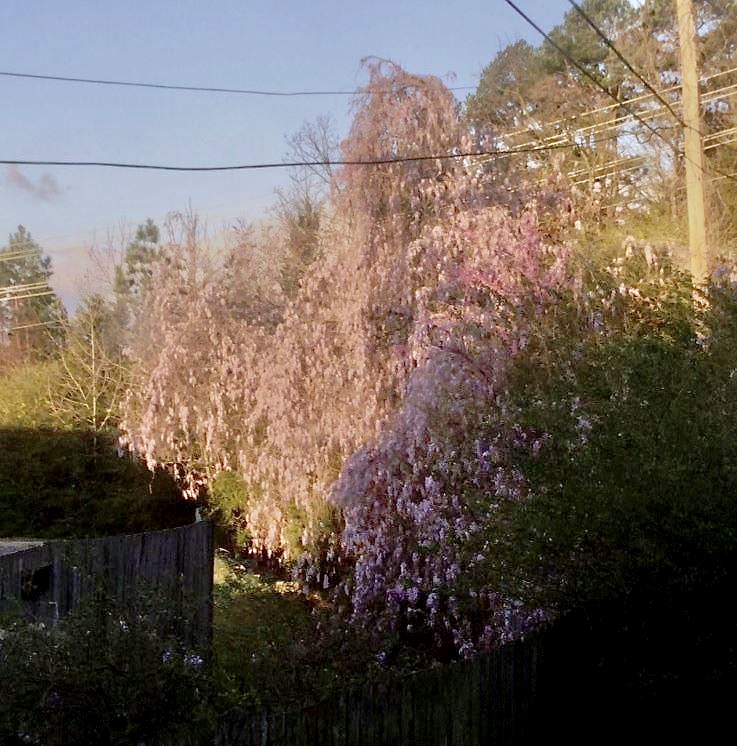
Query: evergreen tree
x=30 y=311
x=133 y=274
x=131 y=277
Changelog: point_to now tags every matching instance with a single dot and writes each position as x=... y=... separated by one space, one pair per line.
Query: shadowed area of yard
x=276 y=646
x=58 y=484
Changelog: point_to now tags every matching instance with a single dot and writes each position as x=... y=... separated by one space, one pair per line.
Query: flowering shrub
x=437 y=423
x=106 y=674
x=422 y=501
x=633 y=486
x=394 y=349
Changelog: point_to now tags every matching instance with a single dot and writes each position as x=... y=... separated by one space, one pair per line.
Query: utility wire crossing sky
x=107 y=92
x=206 y=89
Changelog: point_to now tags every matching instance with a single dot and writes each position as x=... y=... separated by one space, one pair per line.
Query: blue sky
x=313 y=44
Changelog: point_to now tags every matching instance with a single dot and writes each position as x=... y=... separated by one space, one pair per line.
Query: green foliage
x=113 y=674
x=56 y=484
x=534 y=84
x=23 y=265
x=660 y=224
x=93 y=374
x=105 y=674
x=312 y=536
x=634 y=487
x=23 y=395
x=533 y=94
x=132 y=275
x=276 y=647
x=575 y=36
x=228 y=506
x=516 y=67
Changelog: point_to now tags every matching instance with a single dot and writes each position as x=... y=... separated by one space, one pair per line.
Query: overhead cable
x=608 y=42
x=598 y=83
x=31 y=326
x=208 y=89
x=9 y=289
x=12 y=256
x=293 y=164
x=29 y=295
x=706 y=96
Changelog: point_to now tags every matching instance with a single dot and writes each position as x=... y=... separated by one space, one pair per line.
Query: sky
x=266 y=45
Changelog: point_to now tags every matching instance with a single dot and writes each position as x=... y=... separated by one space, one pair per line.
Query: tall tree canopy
x=30 y=311
x=535 y=96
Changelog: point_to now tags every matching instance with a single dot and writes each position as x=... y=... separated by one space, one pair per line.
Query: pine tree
x=30 y=311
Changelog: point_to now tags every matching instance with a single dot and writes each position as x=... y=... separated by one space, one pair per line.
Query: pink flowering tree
x=424 y=503
x=366 y=415
x=192 y=348
x=338 y=363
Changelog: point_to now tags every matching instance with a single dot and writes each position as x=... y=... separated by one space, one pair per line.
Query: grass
x=275 y=646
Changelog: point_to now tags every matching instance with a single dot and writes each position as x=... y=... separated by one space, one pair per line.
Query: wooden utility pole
x=693 y=145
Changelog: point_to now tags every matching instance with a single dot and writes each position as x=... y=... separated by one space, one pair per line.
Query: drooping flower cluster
x=420 y=502
x=194 y=356
x=367 y=418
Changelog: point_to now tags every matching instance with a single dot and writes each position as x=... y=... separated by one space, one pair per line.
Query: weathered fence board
x=46 y=582
x=492 y=699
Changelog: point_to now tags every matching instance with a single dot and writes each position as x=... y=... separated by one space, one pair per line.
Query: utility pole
x=693 y=145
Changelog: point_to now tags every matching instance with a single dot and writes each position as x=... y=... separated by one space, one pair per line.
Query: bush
x=56 y=484
x=105 y=674
x=588 y=458
x=275 y=647
x=23 y=396
x=228 y=506
x=634 y=488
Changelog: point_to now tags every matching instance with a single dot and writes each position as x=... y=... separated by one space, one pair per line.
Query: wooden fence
x=625 y=670
x=46 y=582
x=493 y=699
x=551 y=683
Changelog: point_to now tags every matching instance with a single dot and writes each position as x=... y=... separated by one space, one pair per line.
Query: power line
x=238 y=91
x=564 y=140
x=707 y=96
x=208 y=89
x=597 y=177
x=715 y=135
x=624 y=61
x=718 y=144
x=294 y=164
x=609 y=124
x=31 y=326
x=17 y=255
x=634 y=161
x=725 y=176
x=29 y=286
x=637 y=161
x=631 y=68
x=29 y=295
x=568 y=144
x=598 y=83
x=582 y=69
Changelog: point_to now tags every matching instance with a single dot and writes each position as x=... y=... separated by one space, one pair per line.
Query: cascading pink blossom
x=367 y=417
x=419 y=500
